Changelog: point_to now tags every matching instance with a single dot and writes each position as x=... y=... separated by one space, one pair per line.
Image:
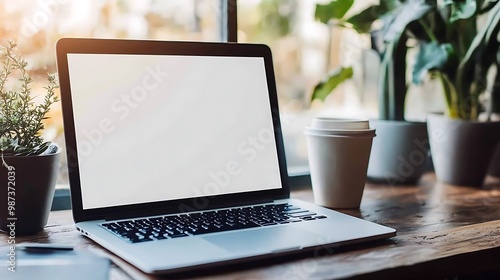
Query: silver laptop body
x=163 y=133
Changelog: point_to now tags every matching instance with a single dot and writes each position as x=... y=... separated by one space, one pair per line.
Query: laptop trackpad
x=264 y=239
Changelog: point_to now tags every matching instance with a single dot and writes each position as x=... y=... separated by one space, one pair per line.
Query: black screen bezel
x=67 y=46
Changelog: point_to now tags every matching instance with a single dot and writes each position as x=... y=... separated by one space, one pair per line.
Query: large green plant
x=459 y=49
x=452 y=46
x=389 y=42
x=21 y=119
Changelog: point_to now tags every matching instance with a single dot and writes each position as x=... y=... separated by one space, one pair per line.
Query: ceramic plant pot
x=400 y=152
x=495 y=163
x=462 y=150
x=27 y=186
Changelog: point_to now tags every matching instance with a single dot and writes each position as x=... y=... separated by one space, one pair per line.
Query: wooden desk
x=443 y=231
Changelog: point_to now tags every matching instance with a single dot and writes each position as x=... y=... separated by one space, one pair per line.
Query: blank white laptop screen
x=164 y=127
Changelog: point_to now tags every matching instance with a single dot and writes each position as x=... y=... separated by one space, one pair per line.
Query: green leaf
x=333 y=10
x=463 y=9
x=390 y=4
x=332 y=80
x=410 y=11
x=487 y=6
x=392 y=85
x=495 y=93
x=431 y=56
x=363 y=21
x=483 y=45
x=450 y=95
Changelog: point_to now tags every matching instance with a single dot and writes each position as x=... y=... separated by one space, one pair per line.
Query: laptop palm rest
x=274 y=239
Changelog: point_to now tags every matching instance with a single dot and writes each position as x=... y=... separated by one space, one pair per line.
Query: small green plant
x=21 y=119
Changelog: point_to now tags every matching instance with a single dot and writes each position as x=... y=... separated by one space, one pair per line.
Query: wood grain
x=443 y=231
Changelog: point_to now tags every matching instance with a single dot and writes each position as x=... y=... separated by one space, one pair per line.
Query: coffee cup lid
x=339 y=123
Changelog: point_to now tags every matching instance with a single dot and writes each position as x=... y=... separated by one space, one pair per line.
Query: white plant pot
x=495 y=163
x=400 y=152
x=462 y=150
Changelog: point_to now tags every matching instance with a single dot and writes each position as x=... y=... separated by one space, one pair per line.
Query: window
x=37 y=25
x=303 y=49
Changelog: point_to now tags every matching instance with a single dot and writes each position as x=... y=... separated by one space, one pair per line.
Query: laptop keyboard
x=175 y=226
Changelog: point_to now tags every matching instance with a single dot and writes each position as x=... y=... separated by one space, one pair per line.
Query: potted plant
x=400 y=150
x=29 y=165
x=458 y=44
x=494 y=169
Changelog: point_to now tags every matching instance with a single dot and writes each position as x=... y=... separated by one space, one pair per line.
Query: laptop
x=176 y=159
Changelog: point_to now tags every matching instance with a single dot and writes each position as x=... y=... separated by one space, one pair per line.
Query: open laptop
x=176 y=158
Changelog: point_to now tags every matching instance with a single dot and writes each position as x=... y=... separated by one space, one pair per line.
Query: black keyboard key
x=283 y=205
x=140 y=239
x=112 y=226
x=160 y=237
x=122 y=232
x=177 y=235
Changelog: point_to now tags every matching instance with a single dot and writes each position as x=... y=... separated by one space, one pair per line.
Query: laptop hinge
x=187 y=209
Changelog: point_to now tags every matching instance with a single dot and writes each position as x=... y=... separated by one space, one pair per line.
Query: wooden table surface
x=443 y=231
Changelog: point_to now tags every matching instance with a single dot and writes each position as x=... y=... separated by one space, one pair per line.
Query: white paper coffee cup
x=338 y=163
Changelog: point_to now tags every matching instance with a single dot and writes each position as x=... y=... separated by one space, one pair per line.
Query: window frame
x=228 y=32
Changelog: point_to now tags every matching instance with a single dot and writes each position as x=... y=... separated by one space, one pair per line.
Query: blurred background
x=303 y=51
